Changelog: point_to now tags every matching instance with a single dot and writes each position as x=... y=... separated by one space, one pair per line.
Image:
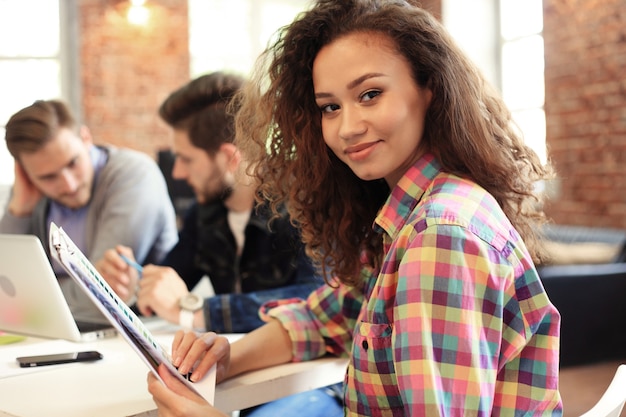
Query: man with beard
x=226 y=234
x=100 y=195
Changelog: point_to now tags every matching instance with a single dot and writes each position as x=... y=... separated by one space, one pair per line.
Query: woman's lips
x=360 y=151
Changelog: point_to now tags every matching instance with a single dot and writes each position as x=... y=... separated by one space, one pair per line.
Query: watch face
x=191 y=302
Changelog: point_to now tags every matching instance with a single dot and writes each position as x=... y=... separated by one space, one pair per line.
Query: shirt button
x=365 y=345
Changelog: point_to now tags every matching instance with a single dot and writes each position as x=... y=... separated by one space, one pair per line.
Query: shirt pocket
x=372 y=375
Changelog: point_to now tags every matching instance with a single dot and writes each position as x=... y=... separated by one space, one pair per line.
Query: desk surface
x=116 y=385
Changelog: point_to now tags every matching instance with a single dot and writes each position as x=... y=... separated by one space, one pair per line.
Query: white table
x=116 y=385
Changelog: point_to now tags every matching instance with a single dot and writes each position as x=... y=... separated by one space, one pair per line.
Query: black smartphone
x=42 y=360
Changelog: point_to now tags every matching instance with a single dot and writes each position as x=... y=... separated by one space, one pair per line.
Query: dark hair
x=201 y=108
x=467 y=127
x=31 y=128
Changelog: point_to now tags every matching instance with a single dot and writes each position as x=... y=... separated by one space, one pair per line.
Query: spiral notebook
x=64 y=251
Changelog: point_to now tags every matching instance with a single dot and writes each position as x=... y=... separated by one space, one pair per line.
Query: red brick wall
x=433 y=6
x=585 y=57
x=126 y=71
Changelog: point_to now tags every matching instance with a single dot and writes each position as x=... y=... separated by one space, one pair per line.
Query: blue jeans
x=321 y=402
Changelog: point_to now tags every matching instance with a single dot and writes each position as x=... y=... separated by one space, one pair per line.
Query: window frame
x=68 y=62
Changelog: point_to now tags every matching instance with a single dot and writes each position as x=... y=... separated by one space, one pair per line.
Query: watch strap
x=185 y=319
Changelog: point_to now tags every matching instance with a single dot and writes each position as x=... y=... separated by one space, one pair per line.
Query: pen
x=133 y=264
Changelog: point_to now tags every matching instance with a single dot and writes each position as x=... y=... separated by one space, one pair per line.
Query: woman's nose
x=352 y=123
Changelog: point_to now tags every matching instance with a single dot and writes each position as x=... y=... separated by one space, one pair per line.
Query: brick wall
x=127 y=71
x=585 y=56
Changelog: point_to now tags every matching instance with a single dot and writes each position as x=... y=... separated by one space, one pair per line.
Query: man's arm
x=10 y=223
x=238 y=313
x=131 y=207
x=23 y=199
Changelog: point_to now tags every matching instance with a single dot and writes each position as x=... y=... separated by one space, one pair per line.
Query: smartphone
x=29 y=361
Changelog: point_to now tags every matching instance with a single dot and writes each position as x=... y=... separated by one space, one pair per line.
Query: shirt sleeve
x=131 y=207
x=13 y=224
x=321 y=324
x=479 y=322
x=238 y=313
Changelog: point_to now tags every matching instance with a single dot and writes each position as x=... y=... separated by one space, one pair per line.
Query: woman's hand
x=198 y=353
x=195 y=353
x=174 y=399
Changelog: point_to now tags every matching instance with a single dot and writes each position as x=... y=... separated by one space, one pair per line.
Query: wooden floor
x=582 y=386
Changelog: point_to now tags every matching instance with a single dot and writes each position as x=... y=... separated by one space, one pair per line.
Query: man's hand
x=117 y=273
x=25 y=195
x=160 y=289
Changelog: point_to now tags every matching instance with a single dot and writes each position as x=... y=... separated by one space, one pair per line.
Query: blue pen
x=133 y=264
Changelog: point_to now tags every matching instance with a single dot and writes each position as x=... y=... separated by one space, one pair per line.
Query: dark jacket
x=272 y=265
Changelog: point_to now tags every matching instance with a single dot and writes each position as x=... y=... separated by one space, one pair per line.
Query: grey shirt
x=129 y=205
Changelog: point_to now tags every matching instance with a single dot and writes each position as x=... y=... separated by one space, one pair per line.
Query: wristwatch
x=189 y=304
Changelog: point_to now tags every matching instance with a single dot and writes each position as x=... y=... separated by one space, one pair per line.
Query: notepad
x=64 y=251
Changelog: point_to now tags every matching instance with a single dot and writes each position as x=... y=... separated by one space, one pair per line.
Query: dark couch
x=590 y=298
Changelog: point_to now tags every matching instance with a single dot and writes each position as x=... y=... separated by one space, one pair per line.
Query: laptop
x=31 y=300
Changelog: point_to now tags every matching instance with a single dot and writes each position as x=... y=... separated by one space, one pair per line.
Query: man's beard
x=219 y=196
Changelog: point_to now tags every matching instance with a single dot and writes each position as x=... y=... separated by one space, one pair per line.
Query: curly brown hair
x=467 y=128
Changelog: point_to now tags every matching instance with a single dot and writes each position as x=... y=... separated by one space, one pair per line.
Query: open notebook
x=118 y=313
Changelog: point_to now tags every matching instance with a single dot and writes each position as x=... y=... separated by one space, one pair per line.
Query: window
x=504 y=38
x=523 y=87
x=230 y=34
x=31 y=57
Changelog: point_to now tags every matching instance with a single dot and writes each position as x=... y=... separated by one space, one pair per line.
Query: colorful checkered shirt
x=456 y=322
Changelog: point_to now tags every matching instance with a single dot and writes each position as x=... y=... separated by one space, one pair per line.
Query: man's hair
x=31 y=128
x=201 y=108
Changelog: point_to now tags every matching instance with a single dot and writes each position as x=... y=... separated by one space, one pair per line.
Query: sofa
x=589 y=290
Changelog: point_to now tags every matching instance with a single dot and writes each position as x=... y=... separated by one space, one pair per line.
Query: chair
x=577 y=290
x=613 y=399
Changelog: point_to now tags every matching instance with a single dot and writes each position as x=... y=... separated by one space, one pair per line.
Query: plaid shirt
x=456 y=322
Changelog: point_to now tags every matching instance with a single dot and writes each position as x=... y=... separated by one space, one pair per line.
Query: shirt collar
x=406 y=194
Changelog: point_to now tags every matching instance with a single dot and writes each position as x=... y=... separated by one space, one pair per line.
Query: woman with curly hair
x=414 y=193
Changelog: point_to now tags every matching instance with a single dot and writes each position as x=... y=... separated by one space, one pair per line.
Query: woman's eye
x=329 y=108
x=369 y=95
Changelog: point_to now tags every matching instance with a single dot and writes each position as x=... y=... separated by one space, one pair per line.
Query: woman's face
x=372 y=109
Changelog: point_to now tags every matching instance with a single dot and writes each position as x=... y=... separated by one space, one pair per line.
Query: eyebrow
x=354 y=83
x=52 y=175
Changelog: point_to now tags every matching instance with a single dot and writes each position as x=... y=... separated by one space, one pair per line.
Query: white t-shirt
x=237 y=220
